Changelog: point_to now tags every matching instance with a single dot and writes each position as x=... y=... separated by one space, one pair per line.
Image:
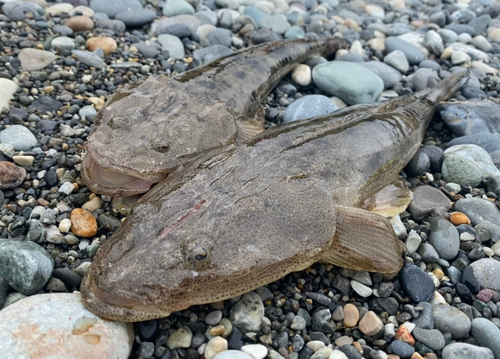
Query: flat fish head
x=146 y=131
x=205 y=242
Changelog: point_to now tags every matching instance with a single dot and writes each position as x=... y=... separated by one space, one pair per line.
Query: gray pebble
x=444 y=238
x=451 y=319
x=487 y=334
x=309 y=106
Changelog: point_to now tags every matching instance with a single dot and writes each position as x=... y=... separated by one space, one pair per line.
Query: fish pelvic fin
x=364 y=241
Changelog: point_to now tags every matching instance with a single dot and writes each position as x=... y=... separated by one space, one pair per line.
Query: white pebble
x=66 y=188
x=337 y=354
x=302 y=75
x=496 y=248
x=92 y=205
x=315 y=345
x=256 y=351
x=25 y=161
x=488 y=251
x=356 y=48
x=65 y=226
x=215 y=346
x=459 y=58
x=86 y=79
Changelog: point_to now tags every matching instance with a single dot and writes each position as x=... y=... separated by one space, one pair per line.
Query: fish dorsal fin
x=391 y=200
x=248 y=128
x=364 y=241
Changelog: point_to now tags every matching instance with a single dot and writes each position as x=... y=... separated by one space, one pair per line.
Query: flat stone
x=233 y=354
x=89 y=58
x=349 y=81
x=397 y=59
x=136 y=18
x=433 y=338
x=107 y=44
x=388 y=74
x=34 y=324
x=177 y=7
x=478 y=210
x=444 y=237
x=19 y=137
x=425 y=199
x=370 y=324
x=173 y=45
x=487 y=334
x=113 y=7
x=309 y=106
x=25 y=265
x=466 y=351
x=80 y=23
x=487 y=273
x=34 y=60
x=451 y=319
x=416 y=283
x=412 y=53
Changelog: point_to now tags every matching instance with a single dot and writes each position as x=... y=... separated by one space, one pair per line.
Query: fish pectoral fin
x=390 y=200
x=364 y=241
x=248 y=128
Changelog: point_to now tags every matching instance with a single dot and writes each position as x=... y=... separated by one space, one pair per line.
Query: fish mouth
x=114 y=183
x=112 y=307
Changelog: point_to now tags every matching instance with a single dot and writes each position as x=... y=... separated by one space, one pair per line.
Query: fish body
x=152 y=126
x=237 y=219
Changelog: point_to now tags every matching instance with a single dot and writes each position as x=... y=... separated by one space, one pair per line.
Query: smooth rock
x=113 y=7
x=451 y=319
x=80 y=23
x=487 y=334
x=89 y=58
x=416 y=283
x=25 y=265
x=173 y=45
x=389 y=75
x=444 y=237
x=107 y=44
x=397 y=59
x=18 y=136
x=83 y=223
x=425 y=199
x=434 y=339
x=370 y=324
x=40 y=323
x=63 y=45
x=411 y=52
x=351 y=315
x=181 y=338
x=466 y=351
x=233 y=354
x=136 y=18
x=467 y=165
x=307 y=107
x=487 y=273
x=34 y=60
x=349 y=81
x=478 y=210
x=215 y=346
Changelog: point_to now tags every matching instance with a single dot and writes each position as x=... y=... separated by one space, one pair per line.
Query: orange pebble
x=404 y=335
x=458 y=218
x=83 y=223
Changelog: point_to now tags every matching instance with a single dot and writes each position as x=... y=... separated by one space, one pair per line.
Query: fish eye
x=117 y=122
x=199 y=255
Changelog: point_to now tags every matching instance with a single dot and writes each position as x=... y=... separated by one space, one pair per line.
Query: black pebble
x=469 y=279
x=416 y=283
x=147 y=329
x=464 y=293
x=235 y=340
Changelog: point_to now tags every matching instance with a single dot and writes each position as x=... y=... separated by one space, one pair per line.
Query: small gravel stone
x=215 y=346
x=256 y=351
x=351 y=315
x=89 y=58
x=181 y=338
x=425 y=199
x=232 y=354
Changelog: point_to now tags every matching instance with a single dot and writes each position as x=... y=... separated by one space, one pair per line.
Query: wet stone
x=478 y=210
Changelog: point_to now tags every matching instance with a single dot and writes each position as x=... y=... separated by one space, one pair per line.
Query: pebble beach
x=59 y=64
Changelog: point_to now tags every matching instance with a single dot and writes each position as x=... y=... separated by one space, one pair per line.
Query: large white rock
x=58 y=326
x=7 y=89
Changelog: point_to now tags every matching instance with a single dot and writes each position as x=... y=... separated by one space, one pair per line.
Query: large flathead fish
x=150 y=127
x=246 y=216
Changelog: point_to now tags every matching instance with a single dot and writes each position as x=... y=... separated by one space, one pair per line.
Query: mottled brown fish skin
x=150 y=127
x=235 y=220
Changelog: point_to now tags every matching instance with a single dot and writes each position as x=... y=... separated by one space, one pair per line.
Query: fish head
x=148 y=129
x=202 y=243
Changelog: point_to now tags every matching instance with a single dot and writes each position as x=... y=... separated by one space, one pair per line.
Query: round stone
x=247 y=313
x=466 y=351
x=309 y=106
x=19 y=137
x=11 y=175
x=107 y=44
x=302 y=75
x=351 y=315
x=349 y=81
x=370 y=324
x=34 y=60
x=444 y=237
x=83 y=223
x=7 y=90
x=487 y=273
x=451 y=319
x=181 y=338
x=487 y=334
x=80 y=23
x=215 y=346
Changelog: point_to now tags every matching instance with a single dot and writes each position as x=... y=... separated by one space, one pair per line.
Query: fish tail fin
x=447 y=87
